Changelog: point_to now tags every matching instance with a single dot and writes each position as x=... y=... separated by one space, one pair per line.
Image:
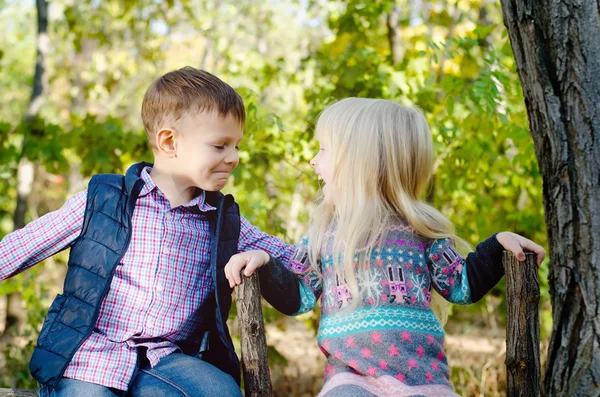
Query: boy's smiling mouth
x=222 y=174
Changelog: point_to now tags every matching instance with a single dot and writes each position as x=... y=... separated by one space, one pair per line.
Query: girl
x=376 y=254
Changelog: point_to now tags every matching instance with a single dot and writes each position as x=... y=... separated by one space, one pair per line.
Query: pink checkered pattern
x=156 y=290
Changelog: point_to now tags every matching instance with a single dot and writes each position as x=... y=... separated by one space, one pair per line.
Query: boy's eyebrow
x=226 y=139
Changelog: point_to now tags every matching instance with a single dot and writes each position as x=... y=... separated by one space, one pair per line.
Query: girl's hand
x=517 y=244
x=250 y=261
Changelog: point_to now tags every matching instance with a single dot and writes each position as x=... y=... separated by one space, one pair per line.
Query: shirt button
x=168 y=216
x=159 y=287
x=165 y=250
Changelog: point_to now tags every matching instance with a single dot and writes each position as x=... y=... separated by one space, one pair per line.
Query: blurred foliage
x=288 y=59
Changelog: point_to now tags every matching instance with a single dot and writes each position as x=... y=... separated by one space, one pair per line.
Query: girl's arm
x=466 y=280
x=42 y=238
x=311 y=282
x=272 y=270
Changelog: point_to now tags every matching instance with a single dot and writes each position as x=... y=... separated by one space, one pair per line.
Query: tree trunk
x=393 y=33
x=557 y=50
x=15 y=315
x=25 y=171
x=484 y=20
x=522 y=326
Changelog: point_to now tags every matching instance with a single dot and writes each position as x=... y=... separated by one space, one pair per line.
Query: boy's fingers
x=237 y=263
x=228 y=273
x=252 y=265
x=237 y=272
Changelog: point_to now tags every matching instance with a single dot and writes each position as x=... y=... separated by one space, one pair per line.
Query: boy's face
x=206 y=149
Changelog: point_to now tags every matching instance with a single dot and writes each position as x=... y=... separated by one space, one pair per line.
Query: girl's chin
x=327 y=197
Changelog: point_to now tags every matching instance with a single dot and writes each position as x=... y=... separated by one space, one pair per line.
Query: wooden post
x=17 y=393
x=255 y=363
x=522 y=326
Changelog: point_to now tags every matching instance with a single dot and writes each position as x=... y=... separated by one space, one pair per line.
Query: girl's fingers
x=513 y=246
x=518 y=244
x=538 y=250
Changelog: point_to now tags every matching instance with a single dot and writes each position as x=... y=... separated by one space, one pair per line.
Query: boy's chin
x=214 y=186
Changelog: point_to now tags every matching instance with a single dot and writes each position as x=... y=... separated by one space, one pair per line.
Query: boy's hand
x=516 y=244
x=249 y=261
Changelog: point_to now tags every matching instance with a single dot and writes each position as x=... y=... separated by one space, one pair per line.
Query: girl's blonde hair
x=382 y=159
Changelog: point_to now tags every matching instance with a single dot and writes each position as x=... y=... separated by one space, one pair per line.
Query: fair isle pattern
x=310 y=283
x=443 y=251
x=462 y=295
x=390 y=333
x=386 y=386
x=380 y=318
x=308 y=300
x=157 y=290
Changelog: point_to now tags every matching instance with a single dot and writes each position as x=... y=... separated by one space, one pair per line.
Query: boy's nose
x=232 y=157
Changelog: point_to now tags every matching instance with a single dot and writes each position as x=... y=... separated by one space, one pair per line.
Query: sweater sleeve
x=279 y=286
x=310 y=279
x=464 y=280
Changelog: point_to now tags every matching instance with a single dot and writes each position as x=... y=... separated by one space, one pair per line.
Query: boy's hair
x=188 y=90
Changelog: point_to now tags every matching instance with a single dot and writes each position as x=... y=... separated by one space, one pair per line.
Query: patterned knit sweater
x=392 y=344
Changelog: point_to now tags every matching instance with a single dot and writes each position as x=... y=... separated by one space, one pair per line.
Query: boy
x=145 y=299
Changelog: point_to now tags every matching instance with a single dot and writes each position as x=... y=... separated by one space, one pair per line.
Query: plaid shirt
x=157 y=288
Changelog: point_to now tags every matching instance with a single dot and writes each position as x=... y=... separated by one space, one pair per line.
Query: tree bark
x=484 y=20
x=25 y=171
x=255 y=363
x=17 y=393
x=394 y=37
x=522 y=326
x=15 y=315
x=557 y=51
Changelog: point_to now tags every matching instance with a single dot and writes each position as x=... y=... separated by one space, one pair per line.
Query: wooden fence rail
x=522 y=334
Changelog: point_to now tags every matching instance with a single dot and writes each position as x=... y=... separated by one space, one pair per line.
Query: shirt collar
x=149 y=186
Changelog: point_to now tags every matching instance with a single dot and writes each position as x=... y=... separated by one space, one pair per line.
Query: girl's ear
x=166 y=142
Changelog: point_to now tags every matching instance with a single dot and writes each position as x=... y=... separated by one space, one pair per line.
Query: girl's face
x=323 y=166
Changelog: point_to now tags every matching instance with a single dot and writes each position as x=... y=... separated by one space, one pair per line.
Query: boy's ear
x=166 y=142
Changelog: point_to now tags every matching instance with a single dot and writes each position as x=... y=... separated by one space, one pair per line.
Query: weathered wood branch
x=255 y=363
x=522 y=326
x=17 y=393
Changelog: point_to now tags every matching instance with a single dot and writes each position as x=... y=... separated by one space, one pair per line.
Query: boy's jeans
x=176 y=375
